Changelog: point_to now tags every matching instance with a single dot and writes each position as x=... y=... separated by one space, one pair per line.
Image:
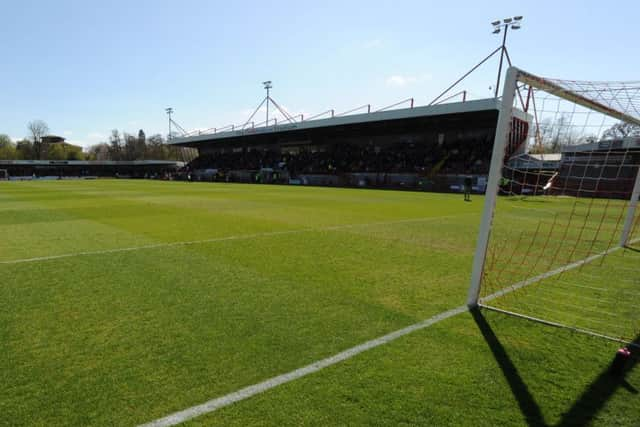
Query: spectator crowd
x=468 y=157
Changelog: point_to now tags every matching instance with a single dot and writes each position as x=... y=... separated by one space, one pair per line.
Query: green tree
x=24 y=150
x=7 y=148
x=74 y=153
x=56 y=152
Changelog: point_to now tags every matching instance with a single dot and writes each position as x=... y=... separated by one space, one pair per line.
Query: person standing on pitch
x=467 y=188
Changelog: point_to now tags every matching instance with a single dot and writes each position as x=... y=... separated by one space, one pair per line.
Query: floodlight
x=513 y=23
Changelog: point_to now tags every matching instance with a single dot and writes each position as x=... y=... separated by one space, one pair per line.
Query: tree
x=99 y=152
x=130 y=143
x=5 y=140
x=115 y=141
x=135 y=147
x=73 y=153
x=555 y=134
x=37 y=129
x=123 y=146
x=56 y=152
x=156 y=148
x=141 y=146
x=621 y=130
x=24 y=150
x=7 y=148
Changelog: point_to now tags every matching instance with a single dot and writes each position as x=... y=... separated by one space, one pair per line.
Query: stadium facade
x=428 y=147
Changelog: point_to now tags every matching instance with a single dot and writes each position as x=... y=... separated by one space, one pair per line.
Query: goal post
x=493 y=182
x=561 y=214
x=625 y=237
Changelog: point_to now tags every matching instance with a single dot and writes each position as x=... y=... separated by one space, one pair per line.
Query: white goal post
x=560 y=209
x=625 y=237
x=491 y=192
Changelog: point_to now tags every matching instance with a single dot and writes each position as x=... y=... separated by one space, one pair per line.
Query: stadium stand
x=57 y=169
x=604 y=169
x=427 y=148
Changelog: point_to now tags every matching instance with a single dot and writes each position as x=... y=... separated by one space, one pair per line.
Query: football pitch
x=124 y=302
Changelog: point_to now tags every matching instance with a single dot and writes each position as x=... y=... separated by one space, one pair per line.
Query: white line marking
x=252 y=390
x=553 y=272
x=227 y=238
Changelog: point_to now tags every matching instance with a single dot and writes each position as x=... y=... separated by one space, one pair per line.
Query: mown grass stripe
x=223 y=239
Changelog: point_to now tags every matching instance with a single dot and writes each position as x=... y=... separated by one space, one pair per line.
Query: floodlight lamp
x=507 y=20
x=515 y=26
x=496 y=31
x=518 y=18
x=495 y=23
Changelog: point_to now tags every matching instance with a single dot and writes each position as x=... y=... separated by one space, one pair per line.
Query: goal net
x=4 y=175
x=560 y=234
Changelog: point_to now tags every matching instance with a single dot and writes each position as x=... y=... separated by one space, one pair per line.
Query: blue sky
x=86 y=67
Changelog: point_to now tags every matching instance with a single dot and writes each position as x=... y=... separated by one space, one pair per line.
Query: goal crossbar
x=561 y=92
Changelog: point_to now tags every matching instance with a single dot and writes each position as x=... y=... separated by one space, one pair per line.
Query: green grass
x=123 y=338
x=534 y=236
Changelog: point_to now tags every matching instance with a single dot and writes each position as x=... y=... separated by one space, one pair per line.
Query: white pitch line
x=553 y=272
x=150 y=246
x=223 y=239
x=252 y=390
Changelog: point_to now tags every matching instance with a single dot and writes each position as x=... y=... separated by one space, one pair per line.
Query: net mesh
x=554 y=251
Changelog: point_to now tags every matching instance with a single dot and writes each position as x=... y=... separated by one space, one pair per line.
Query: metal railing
x=298 y=118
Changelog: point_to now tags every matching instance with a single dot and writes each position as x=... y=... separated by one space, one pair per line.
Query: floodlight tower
x=267 y=99
x=514 y=23
x=169 y=111
x=267 y=86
